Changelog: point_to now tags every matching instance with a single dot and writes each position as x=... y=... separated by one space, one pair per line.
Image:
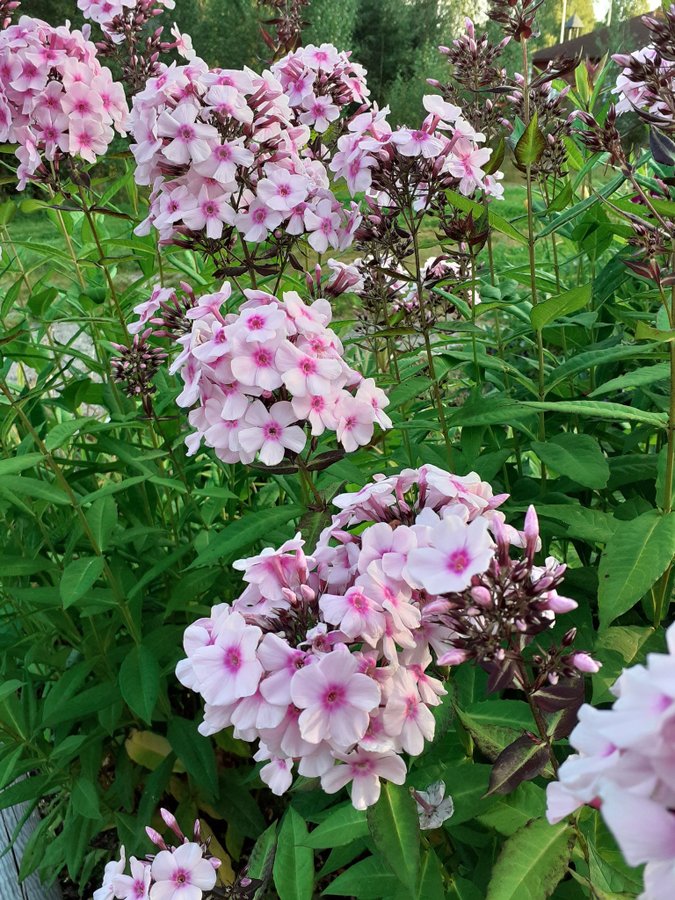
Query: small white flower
x=432 y=808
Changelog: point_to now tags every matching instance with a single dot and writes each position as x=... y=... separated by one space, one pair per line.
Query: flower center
x=262 y=358
x=458 y=561
x=334 y=695
x=232 y=659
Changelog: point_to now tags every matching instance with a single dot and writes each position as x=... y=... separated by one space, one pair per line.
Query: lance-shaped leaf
x=522 y=760
x=531 y=862
x=394 y=827
x=662 y=147
x=562 y=305
x=531 y=144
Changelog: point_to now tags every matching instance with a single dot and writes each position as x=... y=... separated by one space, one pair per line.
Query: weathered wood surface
x=10 y=889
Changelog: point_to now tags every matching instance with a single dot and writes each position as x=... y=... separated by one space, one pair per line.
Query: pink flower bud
x=481 y=596
x=558 y=604
x=453 y=657
x=584 y=663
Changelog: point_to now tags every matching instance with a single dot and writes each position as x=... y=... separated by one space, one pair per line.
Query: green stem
x=541 y=387
x=424 y=325
x=101 y=257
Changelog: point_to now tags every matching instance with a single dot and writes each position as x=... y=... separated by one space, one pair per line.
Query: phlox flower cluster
x=625 y=765
x=104 y=12
x=444 y=149
x=224 y=154
x=182 y=872
x=319 y=83
x=635 y=92
x=56 y=100
x=265 y=376
x=326 y=658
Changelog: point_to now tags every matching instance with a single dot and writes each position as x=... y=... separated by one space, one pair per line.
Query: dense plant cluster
x=412 y=384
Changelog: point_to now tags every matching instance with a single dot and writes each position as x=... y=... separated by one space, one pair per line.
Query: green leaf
x=531 y=862
x=639 y=378
x=195 y=752
x=101 y=518
x=369 y=879
x=591 y=525
x=513 y=811
x=78 y=577
x=243 y=533
x=645 y=332
x=342 y=826
x=85 y=799
x=459 y=201
x=635 y=557
x=15 y=464
x=293 y=868
x=262 y=856
x=522 y=760
x=531 y=144
x=139 y=682
x=601 y=410
x=568 y=302
x=60 y=432
x=431 y=878
x=7 y=688
x=32 y=487
x=394 y=827
x=578 y=456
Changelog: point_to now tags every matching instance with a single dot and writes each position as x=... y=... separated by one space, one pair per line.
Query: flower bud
x=584 y=662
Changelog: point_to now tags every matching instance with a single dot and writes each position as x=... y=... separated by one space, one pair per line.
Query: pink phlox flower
x=308 y=320
x=304 y=374
x=364 y=770
x=210 y=304
x=368 y=392
x=260 y=323
x=282 y=190
x=272 y=568
x=320 y=112
x=190 y=140
x=209 y=210
x=111 y=871
x=406 y=718
x=355 y=419
x=224 y=161
x=388 y=546
x=271 y=432
x=322 y=223
x=355 y=613
x=456 y=552
x=318 y=409
x=229 y=668
x=281 y=662
x=255 y=365
x=182 y=873
x=277 y=774
x=417 y=142
x=135 y=886
x=466 y=163
x=437 y=106
x=335 y=699
x=258 y=220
